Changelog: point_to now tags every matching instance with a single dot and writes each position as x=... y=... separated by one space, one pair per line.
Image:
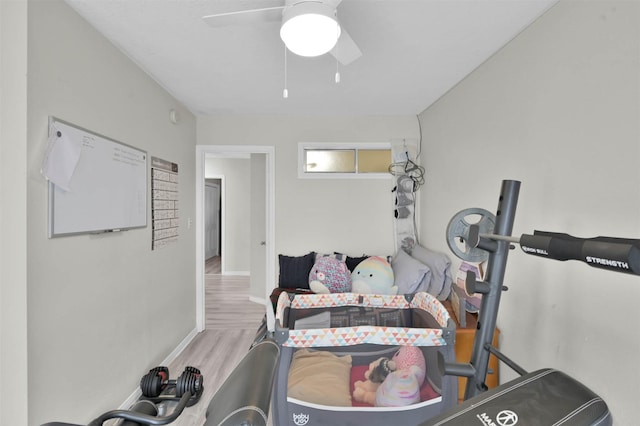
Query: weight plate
x=185 y=383
x=151 y=384
x=181 y=384
x=193 y=370
x=163 y=372
x=458 y=233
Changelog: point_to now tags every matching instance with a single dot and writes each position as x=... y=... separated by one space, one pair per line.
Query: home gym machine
x=542 y=397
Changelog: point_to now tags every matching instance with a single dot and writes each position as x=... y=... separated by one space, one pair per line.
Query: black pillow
x=294 y=270
x=352 y=262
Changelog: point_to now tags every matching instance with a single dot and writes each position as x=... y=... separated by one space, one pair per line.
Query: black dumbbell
x=154 y=382
x=157 y=381
x=190 y=380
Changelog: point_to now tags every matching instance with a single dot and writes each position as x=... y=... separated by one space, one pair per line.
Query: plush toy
x=402 y=386
x=365 y=391
x=373 y=276
x=409 y=356
x=399 y=389
x=329 y=275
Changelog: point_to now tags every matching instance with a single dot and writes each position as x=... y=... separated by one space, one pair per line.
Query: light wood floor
x=231 y=324
x=227 y=304
x=213 y=265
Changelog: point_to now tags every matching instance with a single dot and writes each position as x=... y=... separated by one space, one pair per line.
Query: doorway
x=213 y=225
x=265 y=155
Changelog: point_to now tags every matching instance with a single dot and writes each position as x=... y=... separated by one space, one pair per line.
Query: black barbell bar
x=615 y=254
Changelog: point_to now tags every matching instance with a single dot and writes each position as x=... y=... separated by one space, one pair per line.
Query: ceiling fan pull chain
x=285 y=92
x=337 y=62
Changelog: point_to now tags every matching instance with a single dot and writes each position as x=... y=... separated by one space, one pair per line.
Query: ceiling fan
x=308 y=27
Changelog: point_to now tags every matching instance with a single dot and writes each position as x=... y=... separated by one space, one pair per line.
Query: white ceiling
x=414 y=51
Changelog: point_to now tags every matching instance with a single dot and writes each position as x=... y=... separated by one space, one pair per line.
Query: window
x=330 y=160
x=343 y=160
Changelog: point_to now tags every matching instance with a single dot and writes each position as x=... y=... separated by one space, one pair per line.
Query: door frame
x=232 y=151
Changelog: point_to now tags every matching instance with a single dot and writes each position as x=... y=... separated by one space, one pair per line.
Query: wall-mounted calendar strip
x=164 y=203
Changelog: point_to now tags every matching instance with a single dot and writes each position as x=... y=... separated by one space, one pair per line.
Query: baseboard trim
x=136 y=394
x=260 y=300
x=237 y=273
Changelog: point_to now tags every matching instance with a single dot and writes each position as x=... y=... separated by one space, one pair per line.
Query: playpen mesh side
x=422 y=300
x=355 y=319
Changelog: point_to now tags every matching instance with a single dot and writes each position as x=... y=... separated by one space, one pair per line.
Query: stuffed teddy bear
x=329 y=275
x=365 y=391
x=402 y=386
x=373 y=276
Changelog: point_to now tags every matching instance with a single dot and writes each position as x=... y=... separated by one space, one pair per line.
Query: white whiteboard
x=108 y=188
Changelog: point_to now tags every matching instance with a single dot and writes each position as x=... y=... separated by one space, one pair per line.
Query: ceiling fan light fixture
x=310 y=28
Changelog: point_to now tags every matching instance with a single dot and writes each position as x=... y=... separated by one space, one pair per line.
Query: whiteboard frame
x=52 y=188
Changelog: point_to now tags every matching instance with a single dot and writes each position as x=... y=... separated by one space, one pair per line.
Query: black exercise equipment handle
x=143 y=418
x=615 y=254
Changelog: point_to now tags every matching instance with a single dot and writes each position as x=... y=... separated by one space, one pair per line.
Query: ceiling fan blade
x=346 y=50
x=333 y=3
x=244 y=17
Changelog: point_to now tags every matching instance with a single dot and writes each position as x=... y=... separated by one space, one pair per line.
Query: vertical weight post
x=496 y=266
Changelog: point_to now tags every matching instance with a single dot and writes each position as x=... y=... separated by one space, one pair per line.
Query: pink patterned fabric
x=331 y=274
x=411 y=356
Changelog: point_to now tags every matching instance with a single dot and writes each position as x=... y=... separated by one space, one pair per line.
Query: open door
x=265 y=270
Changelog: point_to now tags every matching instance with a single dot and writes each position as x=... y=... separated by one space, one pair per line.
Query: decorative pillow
x=352 y=262
x=294 y=270
x=440 y=265
x=409 y=273
x=338 y=256
x=320 y=377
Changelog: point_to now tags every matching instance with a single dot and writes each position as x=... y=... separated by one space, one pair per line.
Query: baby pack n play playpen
x=328 y=341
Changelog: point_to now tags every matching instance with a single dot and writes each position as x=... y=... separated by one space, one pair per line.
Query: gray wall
x=354 y=216
x=559 y=109
x=13 y=209
x=102 y=309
